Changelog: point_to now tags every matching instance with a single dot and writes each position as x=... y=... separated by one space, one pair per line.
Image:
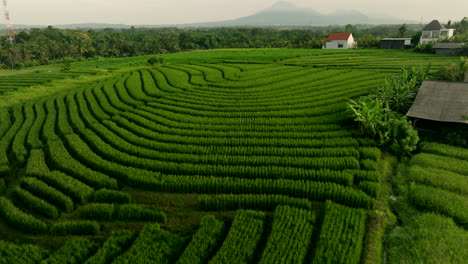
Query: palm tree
x=402 y=30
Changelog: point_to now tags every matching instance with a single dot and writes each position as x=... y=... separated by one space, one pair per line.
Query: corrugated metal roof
x=441 y=101
x=338 y=36
x=434 y=25
x=448 y=45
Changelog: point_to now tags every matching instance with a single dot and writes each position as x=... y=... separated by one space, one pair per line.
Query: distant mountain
x=287 y=14
x=282 y=13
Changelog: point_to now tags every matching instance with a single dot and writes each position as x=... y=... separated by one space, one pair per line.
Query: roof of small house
x=434 y=25
x=338 y=36
x=441 y=101
x=448 y=45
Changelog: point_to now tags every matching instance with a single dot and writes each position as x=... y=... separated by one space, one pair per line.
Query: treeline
x=52 y=45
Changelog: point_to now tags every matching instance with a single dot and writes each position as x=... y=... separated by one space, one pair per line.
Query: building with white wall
x=434 y=31
x=339 y=41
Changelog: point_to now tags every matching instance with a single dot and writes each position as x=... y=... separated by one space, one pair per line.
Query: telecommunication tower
x=10 y=31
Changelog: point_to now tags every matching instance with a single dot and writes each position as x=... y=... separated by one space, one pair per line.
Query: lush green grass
x=433 y=211
x=431 y=238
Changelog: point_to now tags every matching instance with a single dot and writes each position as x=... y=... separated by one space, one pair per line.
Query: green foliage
x=441 y=162
x=60 y=157
x=94 y=211
x=398 y=93
x=204 y=242
x=425 y=47
x=156 y=60
x=153 y=245
x=37 y=168
x=370 y=153
x=67 y=64
x=455 y=71
x=50 y=194
x=139 y=213
x=289 y=240
x=228 y=202
x=381 y=114
x=369 y=113
x=19 y=219
x=439 y=178
x=368 y=41
x=402 y=136
x=35 y=204
x=431 y=238
x=75 y=228
x=371 y=188
x=440 y=201
x=300 y=189
x=118 y=241
x=3 y=186
x=402 y=29
x=21 y=254
x=75 y=251
x=111 y=196
x=242 y=240
x=18 y=146
x=341 y=236
x=8 y=138
x=445 y=150
x=368 y=164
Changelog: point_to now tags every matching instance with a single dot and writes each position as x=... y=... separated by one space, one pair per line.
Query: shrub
x=242 y=240
x=381 y=115
x=290 y=235
x=21 y=254
x=75 y=228
x=48 y=193
x=155 y=60
x=371 y=188
x=455 y=71
x=153 y=245
x=425 y=47
x=249 y=201
x=118 y=241
x=75 y=251
x=34 y=203
x=103 y=212
x=341 y=235
x=67 y=64
x=19 y=219
x=139 y=213
x=204 y=242
x=111 y=196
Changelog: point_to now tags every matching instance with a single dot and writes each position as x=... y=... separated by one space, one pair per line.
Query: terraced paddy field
x=230 y=156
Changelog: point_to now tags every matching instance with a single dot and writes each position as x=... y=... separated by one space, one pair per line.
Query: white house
x=434 y=31
x=339 y=41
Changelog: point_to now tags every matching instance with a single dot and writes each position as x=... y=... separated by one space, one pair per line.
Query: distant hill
x=285 y=13
x=280 y=14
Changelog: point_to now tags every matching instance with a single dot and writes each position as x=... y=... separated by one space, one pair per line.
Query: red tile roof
x=338 y=36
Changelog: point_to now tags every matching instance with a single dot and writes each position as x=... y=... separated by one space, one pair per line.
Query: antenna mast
x=10 y=31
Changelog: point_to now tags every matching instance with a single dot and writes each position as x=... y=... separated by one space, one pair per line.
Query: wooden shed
x=395 y=43
x=450 y=49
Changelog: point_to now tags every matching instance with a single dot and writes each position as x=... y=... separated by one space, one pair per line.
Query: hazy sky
x=134 y=12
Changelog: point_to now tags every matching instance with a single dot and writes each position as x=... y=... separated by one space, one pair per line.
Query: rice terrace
x=224 y=156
